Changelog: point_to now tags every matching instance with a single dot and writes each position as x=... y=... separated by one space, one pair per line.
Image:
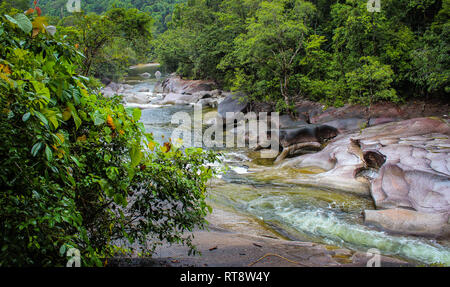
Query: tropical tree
x=79 y=170
x=100 y=37
x=270 y=52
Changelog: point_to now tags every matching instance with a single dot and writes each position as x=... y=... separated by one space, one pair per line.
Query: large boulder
x=306 y=133
x=287 y=122
x=405 y=221
x=138 y=98
x=177 y=85
x=233 y=103
x=179 y=99
x=306 y=110
x=209 y=102
x=355 y=117
x=348 y=124
x=207 y=98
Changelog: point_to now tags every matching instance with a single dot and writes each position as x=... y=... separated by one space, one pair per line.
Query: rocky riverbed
x=235 y=240
x=404 y=166
x=383 y=170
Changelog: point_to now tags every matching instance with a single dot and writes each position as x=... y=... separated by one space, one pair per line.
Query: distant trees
x=160 y=10
x=283 y=50
x=268 y=55
x=18 y=4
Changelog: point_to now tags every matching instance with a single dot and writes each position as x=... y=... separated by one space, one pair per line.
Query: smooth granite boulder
x=137 y=98
x=177 y=85
x=179 y=99
x=405 y=221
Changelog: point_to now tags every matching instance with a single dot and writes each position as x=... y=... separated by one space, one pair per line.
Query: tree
x=78 y=170
x=430 y=60
x=160 y=10
x=270 y=51
x=282 y=51
x=99 y=36
x=18 y=4
x=371 y=83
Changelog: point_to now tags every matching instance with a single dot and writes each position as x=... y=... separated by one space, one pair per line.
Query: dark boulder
x=306 y=110
x=408 y=173
x=306 y=133
x=106 y=81
x=234 y=103
x=286 y=122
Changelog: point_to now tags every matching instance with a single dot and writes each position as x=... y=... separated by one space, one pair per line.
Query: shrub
x=371 y=83
x=78 y=170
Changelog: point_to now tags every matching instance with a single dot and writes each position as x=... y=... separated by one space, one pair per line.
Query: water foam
x=334 y=230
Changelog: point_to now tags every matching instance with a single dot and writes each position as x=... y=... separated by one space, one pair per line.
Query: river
x=294 y=212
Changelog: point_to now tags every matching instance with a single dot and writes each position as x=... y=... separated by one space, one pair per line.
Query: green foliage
x=110 y=42
x=6 y=5
x=430 y=72
x=280 y=51
x=160 y=10
x=271 y=50
x=194 y=45
x=371 y=83
x=77 y=169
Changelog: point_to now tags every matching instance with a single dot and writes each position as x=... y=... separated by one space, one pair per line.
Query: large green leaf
x=135 y=155
x=137 y=113
x=41 y=117
x=48 y=153
x=41 y=89
x=35 y=149
x=98 y=118
x=26 y=116
x=11 y=19
x=22 y=21
x=75 y=116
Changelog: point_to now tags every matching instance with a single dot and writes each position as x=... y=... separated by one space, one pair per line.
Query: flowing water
x=293 y=211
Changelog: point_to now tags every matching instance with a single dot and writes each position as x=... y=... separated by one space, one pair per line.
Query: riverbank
x=235 y=240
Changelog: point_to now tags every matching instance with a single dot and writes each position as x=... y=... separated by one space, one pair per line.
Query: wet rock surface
x=405 y=221
x=411 y=160
x=172 y=91
x=306 y=133
x=226 y=245
x=138 y=94
x=221 y=248
x=403 y=165
x=178 y=91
